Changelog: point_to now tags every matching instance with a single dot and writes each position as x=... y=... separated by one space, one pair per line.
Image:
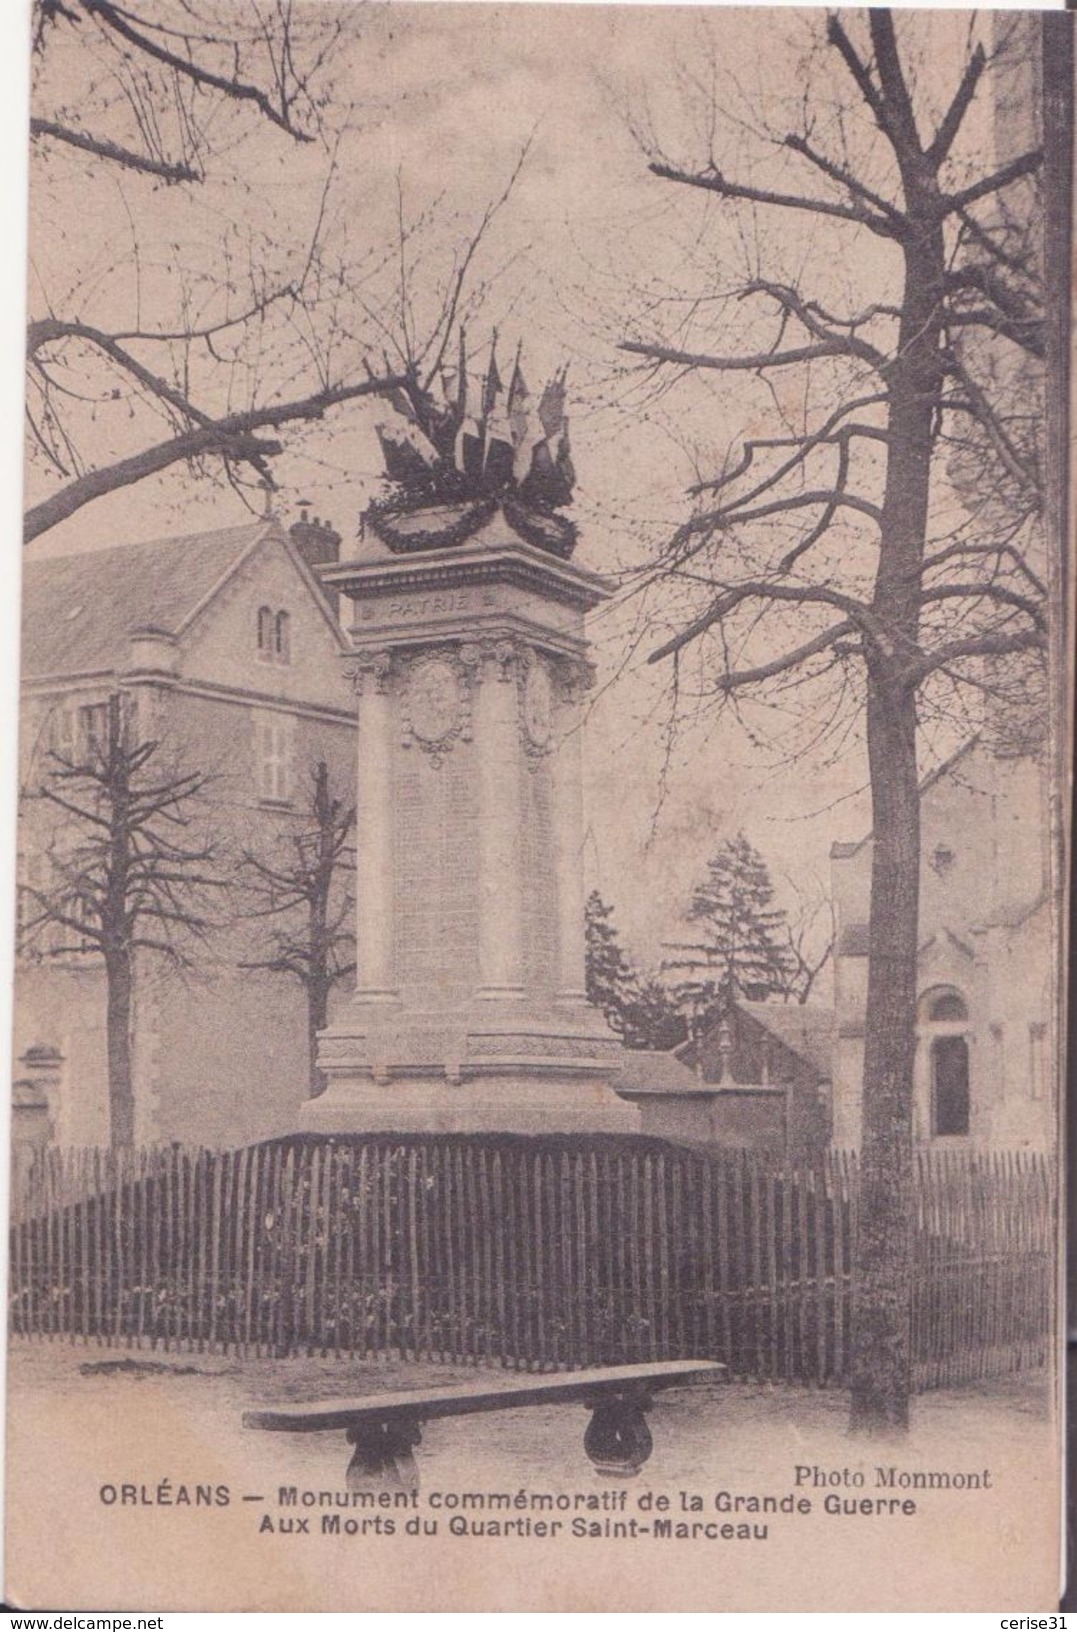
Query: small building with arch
x=986 y=1005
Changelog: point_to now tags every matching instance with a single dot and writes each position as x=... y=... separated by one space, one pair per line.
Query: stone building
x=755 y=1078
x=229 y=654
x=786 y=1077
x=985 y=1035
x=766 y=1067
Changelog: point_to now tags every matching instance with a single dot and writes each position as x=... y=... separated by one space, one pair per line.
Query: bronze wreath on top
x=461 y=445
x=438 y=527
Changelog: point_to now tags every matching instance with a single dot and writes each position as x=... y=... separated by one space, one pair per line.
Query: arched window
x=265 y=634
x=282 y=640
x=944 y=1022
x=948 y=1006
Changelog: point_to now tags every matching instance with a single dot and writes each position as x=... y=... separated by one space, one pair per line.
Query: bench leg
x=618 y=1440
x=382 y=1456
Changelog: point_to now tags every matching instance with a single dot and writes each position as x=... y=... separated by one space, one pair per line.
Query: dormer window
x=274 y=636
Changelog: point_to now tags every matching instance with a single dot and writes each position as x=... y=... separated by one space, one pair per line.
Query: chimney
x=316 y=541
x=319 y=545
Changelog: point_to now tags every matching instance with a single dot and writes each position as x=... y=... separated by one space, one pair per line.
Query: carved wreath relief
x=436 y=706
x=438 y=687
x=537 y=706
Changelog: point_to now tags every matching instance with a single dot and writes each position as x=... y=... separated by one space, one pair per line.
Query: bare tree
x=302 y=896
x=809 y=932
x=845 y=558
x=125 y=875
x=201 y=334
x=161 y=73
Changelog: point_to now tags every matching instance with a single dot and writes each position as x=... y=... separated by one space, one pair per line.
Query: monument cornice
x=518 y=564
x=491 y=626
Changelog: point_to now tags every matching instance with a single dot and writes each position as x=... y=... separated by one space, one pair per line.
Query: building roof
x=653 y=1071
x=855 y=941
x=806 y=1029
x=80 y=611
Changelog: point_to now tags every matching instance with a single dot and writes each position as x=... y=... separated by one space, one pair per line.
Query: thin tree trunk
x=319 y=979
x=317 y=1014
x=121 y=1098
x=117 y=935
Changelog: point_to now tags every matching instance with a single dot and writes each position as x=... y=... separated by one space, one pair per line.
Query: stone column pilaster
x=496 y=728
x=567 y=811
x=374 y=830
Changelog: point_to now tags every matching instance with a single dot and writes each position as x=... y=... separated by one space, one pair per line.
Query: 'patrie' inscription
x=440 y=604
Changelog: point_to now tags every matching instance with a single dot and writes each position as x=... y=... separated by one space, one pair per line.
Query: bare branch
x=991 y=592
x=778 y=665
x=759 y=362
x=955 y=113
x=235 y=88
x=845 y=178
x=713 y=181
x=803 y=444
x=995 y=644
x=838 y=38
x=857 y=612
x=810 y=314
x=100 y=147
x=230 y=437
x=1026 y=165
x=734 y=515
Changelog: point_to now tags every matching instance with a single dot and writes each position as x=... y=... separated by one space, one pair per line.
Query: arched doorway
x=944 y=1023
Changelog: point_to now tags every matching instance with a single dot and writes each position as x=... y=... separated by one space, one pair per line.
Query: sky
x=450 y=94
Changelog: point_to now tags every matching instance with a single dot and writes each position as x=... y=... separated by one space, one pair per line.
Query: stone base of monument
x=487 y=1068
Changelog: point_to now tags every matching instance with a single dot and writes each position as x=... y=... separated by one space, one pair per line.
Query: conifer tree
x=743 y=947
x=650 y=1019
x=609 y=975
x=639 y=1007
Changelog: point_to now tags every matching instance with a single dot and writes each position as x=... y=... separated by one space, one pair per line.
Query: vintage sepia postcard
x=542 y=809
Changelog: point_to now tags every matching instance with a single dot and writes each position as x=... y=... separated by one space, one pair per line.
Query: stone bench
x=385 y=1428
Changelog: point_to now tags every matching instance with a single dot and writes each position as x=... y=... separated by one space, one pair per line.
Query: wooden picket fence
x=528 y=1253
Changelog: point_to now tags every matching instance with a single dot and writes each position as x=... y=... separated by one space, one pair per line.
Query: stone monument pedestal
x=457 y=1073
x=470 y=1010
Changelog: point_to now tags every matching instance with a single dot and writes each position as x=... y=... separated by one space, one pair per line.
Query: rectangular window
x=1037 y=1048
x=75 y=730
x=93 y=728
x=274 y=736
x=31 y=877
x=62 y=729
x=36 y=934
x=83 y=912
x=950 y=1073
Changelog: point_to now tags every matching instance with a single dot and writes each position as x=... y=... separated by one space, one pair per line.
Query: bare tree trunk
x=319 y=978
x=117 y=935
x=881 y=1363
x=317 y=1015
x=121 y=1098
